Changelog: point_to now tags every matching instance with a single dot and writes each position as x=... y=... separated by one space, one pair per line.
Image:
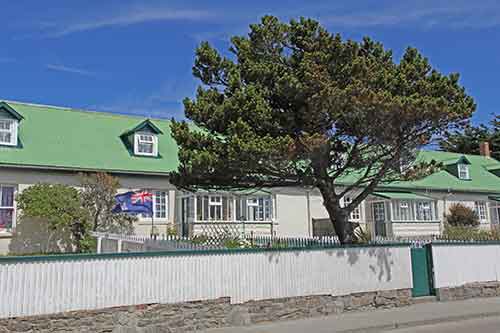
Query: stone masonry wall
x=191 y=316
x=470 y=290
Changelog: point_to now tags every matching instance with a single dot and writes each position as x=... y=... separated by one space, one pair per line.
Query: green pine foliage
x=468 y=139
x=292 y=104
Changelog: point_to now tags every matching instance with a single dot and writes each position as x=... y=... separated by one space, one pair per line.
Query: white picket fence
x=52 y=284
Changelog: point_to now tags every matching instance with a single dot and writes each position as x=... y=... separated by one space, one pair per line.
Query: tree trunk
x=96 y=219
x=338 y=216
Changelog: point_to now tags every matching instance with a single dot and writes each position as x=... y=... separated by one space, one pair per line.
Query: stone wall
x=200 y=315
x=470 y=290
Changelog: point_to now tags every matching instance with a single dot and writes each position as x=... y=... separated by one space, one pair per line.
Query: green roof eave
x=495 y=198
x=141 y=126
x=84 y=169
x=400 y=196
x=493 y=167
x=7 y=108
x=250 y=191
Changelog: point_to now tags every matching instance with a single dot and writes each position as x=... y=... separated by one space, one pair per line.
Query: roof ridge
x=460 y=154
x=86 y=111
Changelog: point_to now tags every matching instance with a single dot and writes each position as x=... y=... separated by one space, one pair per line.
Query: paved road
x=476 y=315
x=482 y=325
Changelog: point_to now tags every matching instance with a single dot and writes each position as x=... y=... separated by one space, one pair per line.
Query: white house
x=46 y=144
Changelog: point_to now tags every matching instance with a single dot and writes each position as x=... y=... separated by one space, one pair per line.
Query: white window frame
x=13 y=208
x=138 y=140
x=355 y=215
x=156 y=194
x=263 y=206
x=481 y=208
x=215 y=202
x=12 y=131
x=463 y=171
x=233 y=208
x=408 y=206
x=412 y=207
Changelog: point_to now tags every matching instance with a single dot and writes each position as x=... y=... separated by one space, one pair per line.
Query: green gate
x=421 y=263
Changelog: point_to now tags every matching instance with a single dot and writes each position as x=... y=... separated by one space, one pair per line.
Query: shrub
x=172 y=231
x=460 y=215
x=58 y=211
x=362 y=236
x=468 y=233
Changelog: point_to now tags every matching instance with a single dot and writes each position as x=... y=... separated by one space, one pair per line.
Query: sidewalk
x=381 y=320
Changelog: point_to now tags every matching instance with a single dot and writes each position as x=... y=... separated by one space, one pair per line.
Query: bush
x=460 y=215
x=468 y=233
x=58 y=212
x=362 y=236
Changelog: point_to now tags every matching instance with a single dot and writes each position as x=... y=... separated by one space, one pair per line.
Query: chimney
x=484 y=149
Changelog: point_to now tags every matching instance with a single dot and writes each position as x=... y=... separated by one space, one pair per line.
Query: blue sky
x=135 y=56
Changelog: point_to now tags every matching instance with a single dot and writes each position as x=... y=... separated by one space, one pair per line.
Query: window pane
x=199 y=208
x=227 y=211
x=480 y=208
x=5 y=125
x=146 y=148
x=146 y=138
x=160 y=204
x=5 y=137
x=256 y=208
x=463 y=171
x=243 y=214
x=7 y=196
x=6 y=219
x=205 y=209
x=424 y=211
x=269 y=208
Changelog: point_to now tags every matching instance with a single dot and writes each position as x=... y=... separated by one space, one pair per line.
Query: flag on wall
x=134 y=202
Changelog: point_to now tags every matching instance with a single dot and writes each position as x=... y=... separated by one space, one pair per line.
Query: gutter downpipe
x=309 y=221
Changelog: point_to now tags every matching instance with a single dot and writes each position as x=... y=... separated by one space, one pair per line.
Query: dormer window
x=9 y=123
x=142 y=140
x=463 y=171
x=8 y=132
x=146 y=144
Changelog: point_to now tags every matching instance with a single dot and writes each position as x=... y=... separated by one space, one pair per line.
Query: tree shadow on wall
x=33 y=237
x=382 y=267
x=382 y=254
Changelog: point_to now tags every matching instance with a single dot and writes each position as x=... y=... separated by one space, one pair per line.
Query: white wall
x=415 y=229
x=292 y=214
x=97 y=282
x=456 y=265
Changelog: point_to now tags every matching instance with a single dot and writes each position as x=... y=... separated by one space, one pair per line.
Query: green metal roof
x=400 y=195
x=64 y=138
x=481 y=177
x=52 y=137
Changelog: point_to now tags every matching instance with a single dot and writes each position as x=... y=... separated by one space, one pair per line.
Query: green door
x=421 y=264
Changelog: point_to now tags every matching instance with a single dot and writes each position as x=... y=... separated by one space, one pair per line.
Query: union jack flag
x=142 y=197
x=140 y=202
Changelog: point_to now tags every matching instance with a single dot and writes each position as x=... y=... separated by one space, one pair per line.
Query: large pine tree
x=468 y=139
x=295 y=105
